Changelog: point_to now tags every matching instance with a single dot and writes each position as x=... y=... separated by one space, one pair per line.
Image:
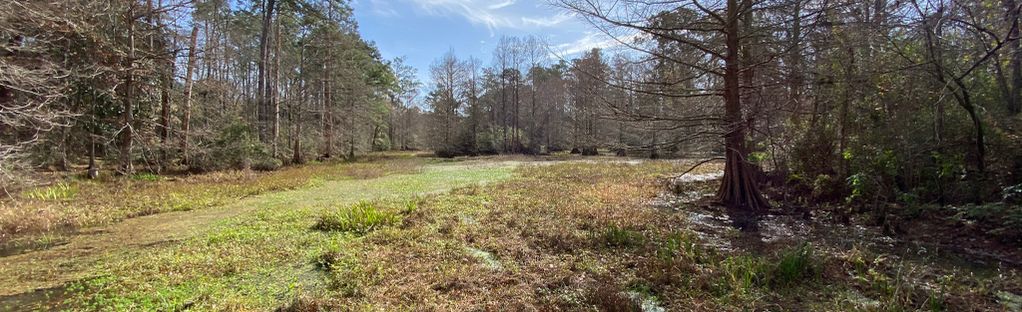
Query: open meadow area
x=511 y=155
x=402 y=232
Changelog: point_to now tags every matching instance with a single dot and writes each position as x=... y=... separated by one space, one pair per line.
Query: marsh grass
x=57 y=192
x=360 y=218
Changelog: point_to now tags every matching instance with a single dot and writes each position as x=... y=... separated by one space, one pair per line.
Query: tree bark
x=128 y=102
x=738 y=189
x=1015 y=50
x=328 y=129
x=263 y=109
x=186 y=119
x=274 y=92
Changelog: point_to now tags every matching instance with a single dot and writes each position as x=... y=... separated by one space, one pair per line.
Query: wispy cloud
x=492 y=15
x=383 y=8
x=501 y=5
x=592 y=40
x=547 y=21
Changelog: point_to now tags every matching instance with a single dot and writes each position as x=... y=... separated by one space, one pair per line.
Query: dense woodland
x=860 y=103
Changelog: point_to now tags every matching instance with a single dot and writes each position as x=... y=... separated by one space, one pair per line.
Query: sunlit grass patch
x=274 y=257
x=614 y=236
x=360 y=218
x=58 y=191
x=82 y=203
x=146 y=176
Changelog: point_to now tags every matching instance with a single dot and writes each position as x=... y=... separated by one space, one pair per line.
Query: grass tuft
x=361 y=218
x=56 y=192
x=614 y=236
x=794 y=265
x=148 y=177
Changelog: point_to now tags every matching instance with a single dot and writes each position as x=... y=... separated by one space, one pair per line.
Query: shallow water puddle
x=486 y=257
x=646 y=303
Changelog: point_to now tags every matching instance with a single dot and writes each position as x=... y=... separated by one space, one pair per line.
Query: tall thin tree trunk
x=127 y=116
x=186 y=119
x=1015 y=50
x=263 y=108
x=274 y=93
x=328 y=128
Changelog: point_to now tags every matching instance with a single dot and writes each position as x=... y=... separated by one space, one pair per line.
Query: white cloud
x=547 y=21
x=591 y=40
x=501 y=5
x=489 y=14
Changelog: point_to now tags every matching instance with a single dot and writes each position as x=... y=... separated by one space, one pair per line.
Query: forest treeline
x=858 y=103
x=160 y=85
x=847 y=101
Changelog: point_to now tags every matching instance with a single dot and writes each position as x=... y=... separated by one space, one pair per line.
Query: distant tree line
x=530 y=101
x=860 y=102
x=159 y=85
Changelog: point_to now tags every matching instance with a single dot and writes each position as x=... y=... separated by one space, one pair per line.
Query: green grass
x=57 y=192
x=272 y=256
x=459 y=236
x=147 y=176
x=112 y=198
x=360 y=218
x=614 y=236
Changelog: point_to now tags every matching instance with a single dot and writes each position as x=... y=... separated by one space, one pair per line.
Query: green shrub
x=235 y=147
x=361 y=218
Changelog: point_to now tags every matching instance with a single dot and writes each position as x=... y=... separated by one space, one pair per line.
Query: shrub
x=361 y=218
x=234 y=147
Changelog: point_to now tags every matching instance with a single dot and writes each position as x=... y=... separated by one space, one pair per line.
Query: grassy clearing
x=265 y=259
x=570 y=236
x=582 y=237
x=77 y=203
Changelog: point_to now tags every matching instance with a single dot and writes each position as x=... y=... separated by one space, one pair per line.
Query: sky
x=423 y=30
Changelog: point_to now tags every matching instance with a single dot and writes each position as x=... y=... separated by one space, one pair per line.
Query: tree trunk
x=127 y=115
x=262 y=109
x=274 y=93
x=1015 y=50
x=328 y=129
x=186 y=119
x=738 y=189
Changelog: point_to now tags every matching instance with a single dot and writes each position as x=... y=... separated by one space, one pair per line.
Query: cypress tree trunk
x=738 y=189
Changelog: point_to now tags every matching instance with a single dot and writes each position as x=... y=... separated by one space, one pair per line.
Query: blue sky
x=423 y=30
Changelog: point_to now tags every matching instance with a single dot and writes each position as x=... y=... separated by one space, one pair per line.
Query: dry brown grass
x=543 y=232
x=559 y=238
